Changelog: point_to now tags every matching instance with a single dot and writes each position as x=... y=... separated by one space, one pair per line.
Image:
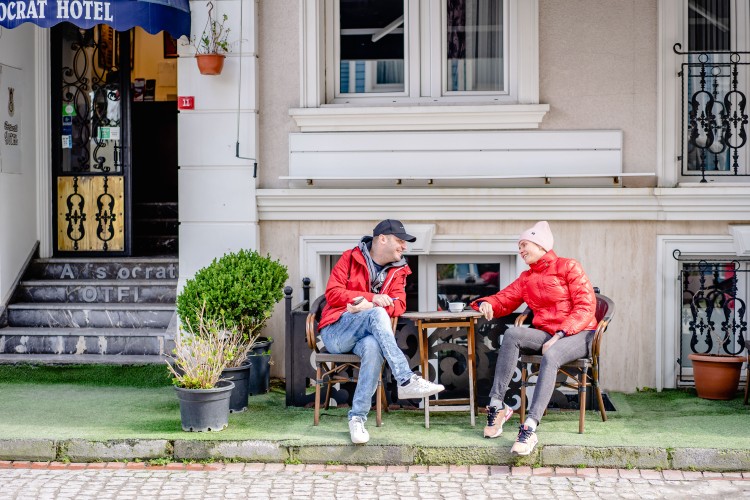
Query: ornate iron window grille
x=713 y=308
x=714 y=114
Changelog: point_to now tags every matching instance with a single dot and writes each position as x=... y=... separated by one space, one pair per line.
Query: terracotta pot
x=716 y=377
x=210 y=64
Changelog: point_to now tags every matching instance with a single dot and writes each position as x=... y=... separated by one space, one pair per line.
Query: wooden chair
x=747 y=376
x=334 y=368
x=577 y=370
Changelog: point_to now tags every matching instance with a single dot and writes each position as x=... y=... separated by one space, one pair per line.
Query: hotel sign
x=172 y=16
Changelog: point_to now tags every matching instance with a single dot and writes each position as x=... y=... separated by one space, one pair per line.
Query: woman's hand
x=550 y=342
x=486 y=309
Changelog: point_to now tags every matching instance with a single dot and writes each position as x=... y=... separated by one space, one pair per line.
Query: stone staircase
x=92 y=310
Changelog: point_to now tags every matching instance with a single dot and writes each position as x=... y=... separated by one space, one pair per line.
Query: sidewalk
x=96 y=420
x=279 y=481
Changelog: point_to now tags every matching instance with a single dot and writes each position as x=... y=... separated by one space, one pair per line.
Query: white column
x=218 y=144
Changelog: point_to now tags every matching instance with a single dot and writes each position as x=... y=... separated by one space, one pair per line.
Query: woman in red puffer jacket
x=563 y=302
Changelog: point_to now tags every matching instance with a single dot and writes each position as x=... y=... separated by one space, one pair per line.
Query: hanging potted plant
x=239 y=290
x=717 y=370
x=200 y=356
x=212 y=46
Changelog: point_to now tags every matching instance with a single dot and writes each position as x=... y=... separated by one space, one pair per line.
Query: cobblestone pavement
x=22 y=480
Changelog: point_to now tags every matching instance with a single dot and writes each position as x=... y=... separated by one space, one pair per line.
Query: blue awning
x=153 y=16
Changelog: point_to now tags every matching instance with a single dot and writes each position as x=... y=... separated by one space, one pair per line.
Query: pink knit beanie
x=540 y=234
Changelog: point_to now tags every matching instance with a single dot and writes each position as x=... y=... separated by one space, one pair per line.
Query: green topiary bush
x=239 y=289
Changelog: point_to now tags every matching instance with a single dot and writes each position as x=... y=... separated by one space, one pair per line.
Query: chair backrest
x=311 y=324
x=313 y=318
x=605 y=311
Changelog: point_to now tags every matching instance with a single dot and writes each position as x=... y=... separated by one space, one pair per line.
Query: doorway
x=114 y=136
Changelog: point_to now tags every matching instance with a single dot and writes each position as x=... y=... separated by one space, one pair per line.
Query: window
x=418 y=50
x=437 y=280
x=714 y=78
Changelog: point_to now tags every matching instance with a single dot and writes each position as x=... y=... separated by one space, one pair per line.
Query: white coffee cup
x=456 y=307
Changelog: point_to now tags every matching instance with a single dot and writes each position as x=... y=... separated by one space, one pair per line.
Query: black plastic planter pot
x=239 y=375
x=259 y=381
x=204 y=410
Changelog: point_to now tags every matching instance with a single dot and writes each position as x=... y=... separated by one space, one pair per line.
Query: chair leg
x=523 y=393
x=317 y=396
x=379 y=404
x=582 y=398
x=600 y=400
x=328 y=394
x=385 y=398
x=747 y=380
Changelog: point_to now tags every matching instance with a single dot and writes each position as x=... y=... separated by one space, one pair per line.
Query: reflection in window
x=371 y=45
x=466 y=282
x=474 y=45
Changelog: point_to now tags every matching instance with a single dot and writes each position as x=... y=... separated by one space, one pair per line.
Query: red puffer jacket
x=557 y=291
x=350 y=278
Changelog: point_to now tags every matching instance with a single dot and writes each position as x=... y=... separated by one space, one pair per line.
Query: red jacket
x=557 y=291
x=344 y=285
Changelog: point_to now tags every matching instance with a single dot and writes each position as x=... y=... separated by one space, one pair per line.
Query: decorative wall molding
x=432 y=117
x=741 y=236
x=655 y=204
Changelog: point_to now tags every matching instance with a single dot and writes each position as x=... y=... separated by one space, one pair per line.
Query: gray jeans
x=563 y=351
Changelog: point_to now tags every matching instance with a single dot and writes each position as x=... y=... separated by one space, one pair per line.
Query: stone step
x=156 y=244
x=134 y=268
x=147 y=227
x=81 y=359
x=155 y=210
x=78 y=341
x=102 y=291
x=52 y=315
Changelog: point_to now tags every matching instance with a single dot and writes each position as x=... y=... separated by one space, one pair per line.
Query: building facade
x=469 y=120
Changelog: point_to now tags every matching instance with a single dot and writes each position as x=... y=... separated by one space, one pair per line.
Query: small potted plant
x=200 y=356
x=212 y=45
x=239 y=290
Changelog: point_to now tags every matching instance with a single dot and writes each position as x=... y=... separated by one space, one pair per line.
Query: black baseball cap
x=394 y=227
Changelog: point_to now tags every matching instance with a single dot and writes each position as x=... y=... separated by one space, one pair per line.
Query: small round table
x=425 y=320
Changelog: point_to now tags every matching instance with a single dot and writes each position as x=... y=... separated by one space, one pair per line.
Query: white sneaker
x=418 y=388
x=357 y=431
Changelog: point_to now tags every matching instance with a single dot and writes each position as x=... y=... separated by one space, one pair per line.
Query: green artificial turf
x=103 y=403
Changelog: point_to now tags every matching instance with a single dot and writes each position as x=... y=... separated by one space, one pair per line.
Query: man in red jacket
x=365 y=290
x=564 y=306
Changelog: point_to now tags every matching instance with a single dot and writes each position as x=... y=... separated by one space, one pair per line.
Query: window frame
x=673 y=28
x=425 y=76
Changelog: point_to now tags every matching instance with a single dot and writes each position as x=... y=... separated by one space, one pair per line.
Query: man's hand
x=486 y=309
x=362 y=306
x=550 y=343
x=382 y=300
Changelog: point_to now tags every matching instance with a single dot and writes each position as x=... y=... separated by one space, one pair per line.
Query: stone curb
x=571 y=457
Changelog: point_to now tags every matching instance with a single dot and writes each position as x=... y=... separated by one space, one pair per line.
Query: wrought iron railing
x=714 y=114
x=713 y=307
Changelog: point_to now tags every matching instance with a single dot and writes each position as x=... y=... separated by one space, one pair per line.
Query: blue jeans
x=367 y=334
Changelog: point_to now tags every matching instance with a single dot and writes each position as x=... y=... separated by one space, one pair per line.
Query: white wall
x=18 y=190
x=216 y=186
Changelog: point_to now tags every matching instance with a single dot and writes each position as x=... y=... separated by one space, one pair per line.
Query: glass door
x=90 y=137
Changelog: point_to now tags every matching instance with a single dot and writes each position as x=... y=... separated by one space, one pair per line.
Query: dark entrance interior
x=154 y=177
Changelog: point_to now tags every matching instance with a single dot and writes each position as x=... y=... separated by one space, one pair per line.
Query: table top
x=441 y=315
